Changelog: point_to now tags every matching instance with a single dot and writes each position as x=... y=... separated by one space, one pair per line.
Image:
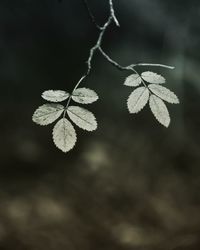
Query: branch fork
x=98 y=46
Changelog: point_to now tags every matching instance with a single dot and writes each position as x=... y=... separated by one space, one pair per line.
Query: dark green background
x=130 y=185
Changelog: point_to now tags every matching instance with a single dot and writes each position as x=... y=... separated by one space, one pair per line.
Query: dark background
x=130 y=185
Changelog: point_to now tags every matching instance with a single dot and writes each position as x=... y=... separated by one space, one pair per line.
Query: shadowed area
x=130 y=185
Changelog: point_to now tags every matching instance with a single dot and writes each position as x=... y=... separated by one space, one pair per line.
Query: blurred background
x=130 y=185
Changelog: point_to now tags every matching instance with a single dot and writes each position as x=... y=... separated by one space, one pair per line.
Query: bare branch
x=112 y=12
x=99 y=40
x=91 y=16
x=153 y=65
x=114 y=63
x=131 y=66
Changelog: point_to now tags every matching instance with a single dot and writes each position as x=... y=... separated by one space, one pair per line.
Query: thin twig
x=114 y=63
x=131 y=66
x=153 y=65
x=93 y=50
x=95 y=47
x=112 y=12
x=91 y=16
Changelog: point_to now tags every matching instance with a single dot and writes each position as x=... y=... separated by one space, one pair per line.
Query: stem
x=114 y=63
x=93 y=50
x=91 y=16
x=102 y=29
x=143 y=82
x=130 y=67
x=153 y=65
x=112 y=13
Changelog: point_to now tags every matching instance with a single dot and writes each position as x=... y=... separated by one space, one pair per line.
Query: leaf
x=84 y=96
x=47 y=113
x=138 y=99
x=133 y=80
x=55 y=95
x=164 y=93
x=152 y=77
x=64 y=135
x=82 y=118
x=159 y=110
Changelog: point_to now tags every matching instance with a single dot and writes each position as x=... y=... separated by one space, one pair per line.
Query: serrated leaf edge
x=53 y=132
x=145 y=89
x=49 y=113
x=171 y=92
x=96 y=97
x=50 y=100
x=165 y=125
x=83 y=119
